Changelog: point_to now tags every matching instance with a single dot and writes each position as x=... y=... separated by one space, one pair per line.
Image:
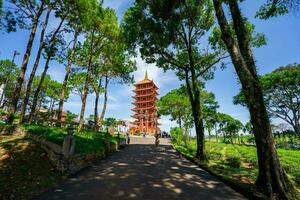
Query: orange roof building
x=145 y=110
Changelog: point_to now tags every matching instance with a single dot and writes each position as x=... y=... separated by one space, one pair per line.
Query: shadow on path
x=143 y=171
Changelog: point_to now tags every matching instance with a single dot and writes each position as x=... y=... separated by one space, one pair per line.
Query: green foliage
x=239 y=162
x=8 y=70
x=229 y=126
x=53 y=134
x=176 y=104
x=70 y=117
x=145 y=22
x=77 y=83
x=256 y=39
x=49 y=92
x=87 y=142
x=171 y=35
x=234 y=162
x=209 y=110
x=249 y=128
x=281 y=90
x=1 y=7
x=275 y=8
x=110 y=122
x=20 y=14
x=176 y=135
x=8 y=78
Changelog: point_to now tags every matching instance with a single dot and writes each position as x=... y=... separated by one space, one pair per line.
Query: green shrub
x=234 y=162
x=87 y=142
x=52 y=134
x=214 y=156
x=176 y=135
x=3 y=112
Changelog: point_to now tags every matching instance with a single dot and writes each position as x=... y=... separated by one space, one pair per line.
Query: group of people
x=156 y=135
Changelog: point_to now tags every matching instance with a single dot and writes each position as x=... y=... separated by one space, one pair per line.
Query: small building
x=145 y=109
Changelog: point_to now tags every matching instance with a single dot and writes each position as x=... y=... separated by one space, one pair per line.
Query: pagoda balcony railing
x=144 y=101
x=144 y=95
x=143 y=108
x=141 y=89
x=151 y=115
x=147 y=92
x=141 y=116
x=149 y=123
x=140 y=99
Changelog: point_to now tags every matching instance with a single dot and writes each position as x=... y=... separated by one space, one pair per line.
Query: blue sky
x=283 y=35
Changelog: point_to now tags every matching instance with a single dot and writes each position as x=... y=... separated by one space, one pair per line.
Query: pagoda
x=145 y=110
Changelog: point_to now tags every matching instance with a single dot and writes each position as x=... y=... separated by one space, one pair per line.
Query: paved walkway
x=142 y=171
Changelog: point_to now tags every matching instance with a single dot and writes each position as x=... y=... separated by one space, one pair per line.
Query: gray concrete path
x=143 y=171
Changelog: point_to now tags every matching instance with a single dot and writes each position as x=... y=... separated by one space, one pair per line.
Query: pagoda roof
x=146 y=80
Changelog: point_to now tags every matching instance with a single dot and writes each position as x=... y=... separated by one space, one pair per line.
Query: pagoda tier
x=145 y=111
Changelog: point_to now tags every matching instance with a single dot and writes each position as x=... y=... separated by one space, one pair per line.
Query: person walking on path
x=156 y=139
x=127 y=138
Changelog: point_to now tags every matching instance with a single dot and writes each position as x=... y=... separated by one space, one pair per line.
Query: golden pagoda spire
x=146 y=75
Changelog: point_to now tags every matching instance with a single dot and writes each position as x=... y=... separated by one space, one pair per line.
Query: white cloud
x=160 y=77
x=166 y=123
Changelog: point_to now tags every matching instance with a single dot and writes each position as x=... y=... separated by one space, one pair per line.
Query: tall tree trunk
x=2 y=94
x=194 y=94
x=198 y=119
x=296 y=125
x=104 y=103
x=21 y=77
x=216 y=132
x=42 y=43
x=180 y=122
x=83 y=105
x=35 y=66
x=37 y=91
x=65 y=82
x=51 y=105
x=86 y=85
x=96 y=116
x=271 y=178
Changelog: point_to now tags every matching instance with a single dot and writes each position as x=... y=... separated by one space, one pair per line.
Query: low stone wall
x=55 y=152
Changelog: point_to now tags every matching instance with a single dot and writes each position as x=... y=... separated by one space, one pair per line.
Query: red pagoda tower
x=145 y=107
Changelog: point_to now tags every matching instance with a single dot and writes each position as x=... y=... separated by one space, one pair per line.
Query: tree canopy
x=171 y=35
x=281 y=89
x=273 y=8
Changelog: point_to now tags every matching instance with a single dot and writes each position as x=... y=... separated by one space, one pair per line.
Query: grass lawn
x=87 y=142
x=25 y=169
x=239 y=162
